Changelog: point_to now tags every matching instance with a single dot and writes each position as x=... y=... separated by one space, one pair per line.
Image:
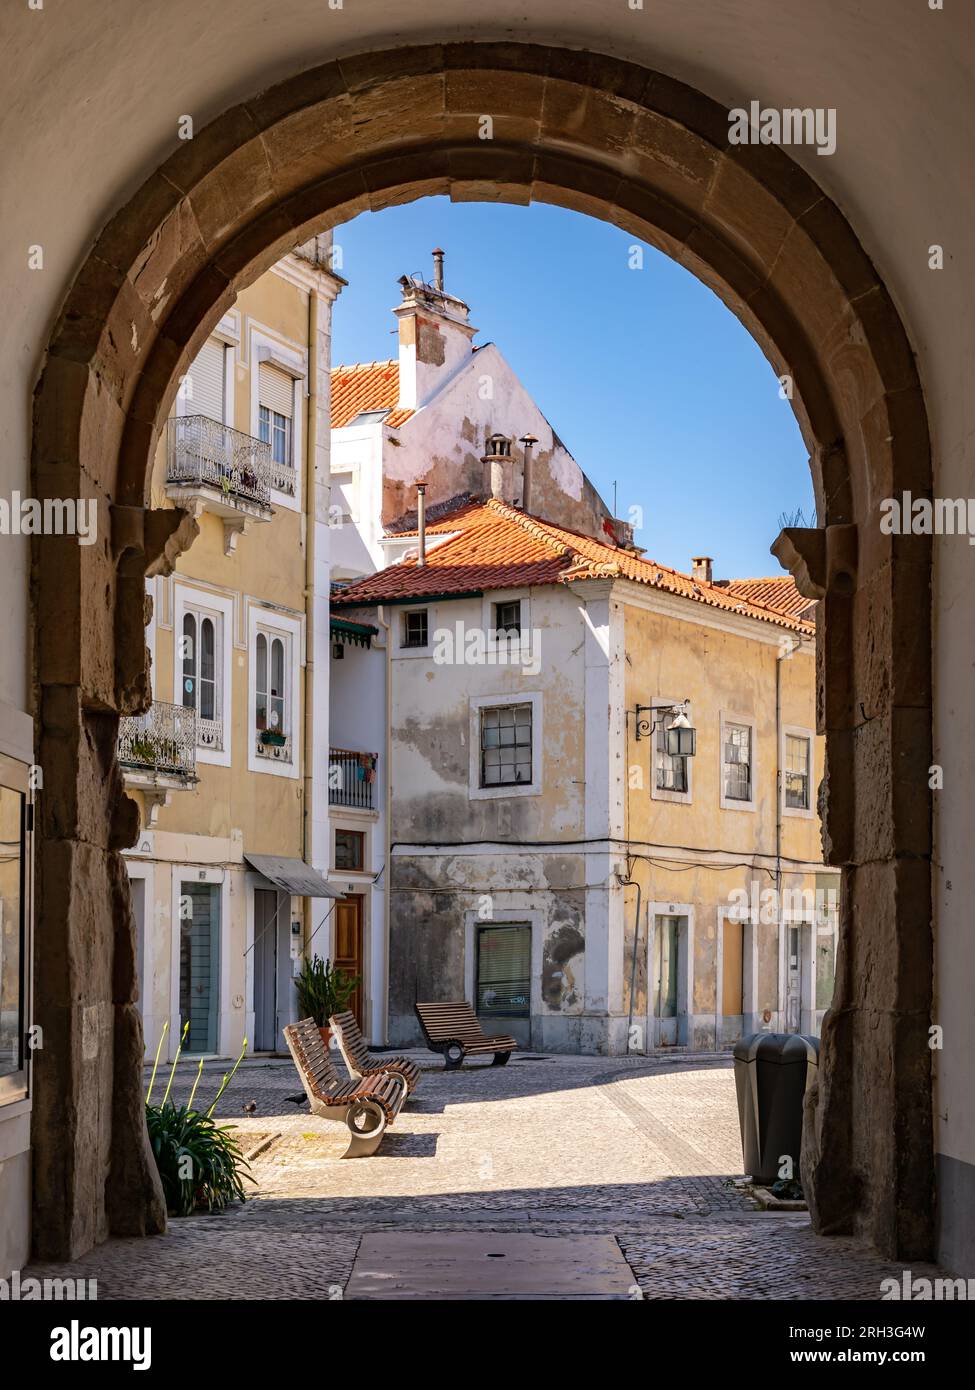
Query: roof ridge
x=535 y=526
x=364 y=366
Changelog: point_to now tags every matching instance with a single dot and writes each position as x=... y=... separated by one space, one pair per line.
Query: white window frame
x=796 y=731
x=731 y=803
x=502 y=917
x=400 y=612
x=293 y=361
x=273 y=625
x=509 y=697
x=661 y=793
x=221 y=607
x=685 y=978
x=488 y=603
x=200 y=873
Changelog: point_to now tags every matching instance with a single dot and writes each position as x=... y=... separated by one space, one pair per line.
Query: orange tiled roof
x=489 y=545
x=778 y=592
x=366 y=386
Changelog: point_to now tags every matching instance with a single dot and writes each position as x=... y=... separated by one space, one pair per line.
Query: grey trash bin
x=772 y=1074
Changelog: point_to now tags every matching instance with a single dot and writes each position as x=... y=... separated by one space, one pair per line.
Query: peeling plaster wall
x=445 y=441
x=436 y=895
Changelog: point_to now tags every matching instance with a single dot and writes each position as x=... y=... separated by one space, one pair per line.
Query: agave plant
x=199 y=1161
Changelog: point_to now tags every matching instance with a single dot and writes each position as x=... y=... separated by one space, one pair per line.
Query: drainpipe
x=782 y=655
x=421 y=524
x=387 y=821
x=311 y=510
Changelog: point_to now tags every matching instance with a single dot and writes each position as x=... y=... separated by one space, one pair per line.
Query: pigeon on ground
x=250 y=1106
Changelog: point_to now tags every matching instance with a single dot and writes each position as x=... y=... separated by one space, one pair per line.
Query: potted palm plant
x=323 y=991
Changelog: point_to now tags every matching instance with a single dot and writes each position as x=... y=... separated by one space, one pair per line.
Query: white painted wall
x=357 y=491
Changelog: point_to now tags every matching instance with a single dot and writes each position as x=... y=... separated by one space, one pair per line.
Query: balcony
x=351 y=778
x=273 y=747
x=157 y=753
x=211 y=467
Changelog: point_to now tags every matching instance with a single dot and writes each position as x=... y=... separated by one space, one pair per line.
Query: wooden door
x=348 y=947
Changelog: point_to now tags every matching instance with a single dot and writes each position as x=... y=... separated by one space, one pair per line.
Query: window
x=506 y=745
x=797 y=751
x=205 y=390
x=415 y=628
x=507 y=617
x=503 y=988
x=736 y=769
x=201 y=657
x=270 y=706
x=350 y=850
x=13 y=935
x=276 y=393
x=671 y=770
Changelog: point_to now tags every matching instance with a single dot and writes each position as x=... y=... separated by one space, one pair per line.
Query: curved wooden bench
x=366 y=1105
x=360 y=1061
x=452 y=1029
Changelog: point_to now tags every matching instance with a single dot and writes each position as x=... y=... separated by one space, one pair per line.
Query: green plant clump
x=200 y=1162
x=323 y=991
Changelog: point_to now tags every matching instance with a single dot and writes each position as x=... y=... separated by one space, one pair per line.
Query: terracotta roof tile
x=778 y=591
x=366 y=386
x=489 y=545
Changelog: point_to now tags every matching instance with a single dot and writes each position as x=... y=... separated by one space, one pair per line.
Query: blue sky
x=643 y=373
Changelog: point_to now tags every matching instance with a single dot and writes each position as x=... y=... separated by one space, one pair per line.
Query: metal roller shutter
x=276 y=390
x=207 y=376
x=504 y=971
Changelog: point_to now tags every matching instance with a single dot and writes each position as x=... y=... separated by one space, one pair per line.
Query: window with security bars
x=504 y=956
x=797 y=772
x=737 y=769
x=506 y=745
x=671 y=769
x=415 y=632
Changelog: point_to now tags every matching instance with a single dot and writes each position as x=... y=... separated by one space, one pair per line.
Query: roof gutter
x=382 y=601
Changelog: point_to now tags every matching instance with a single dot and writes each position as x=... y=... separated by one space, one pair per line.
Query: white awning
x=292 y=875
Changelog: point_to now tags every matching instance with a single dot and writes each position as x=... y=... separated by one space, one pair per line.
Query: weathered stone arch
x=624 y=144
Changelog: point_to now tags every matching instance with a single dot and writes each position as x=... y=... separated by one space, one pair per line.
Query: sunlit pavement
x=643 y=1151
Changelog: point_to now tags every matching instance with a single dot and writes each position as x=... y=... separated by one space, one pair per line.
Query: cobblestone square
x=643 y=1150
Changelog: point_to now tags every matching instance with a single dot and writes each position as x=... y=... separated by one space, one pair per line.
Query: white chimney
x=434 y=336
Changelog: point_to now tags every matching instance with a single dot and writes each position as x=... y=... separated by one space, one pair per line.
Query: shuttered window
x=276 y=407
x=276 y=390
x=504 y=971
x=208 y=382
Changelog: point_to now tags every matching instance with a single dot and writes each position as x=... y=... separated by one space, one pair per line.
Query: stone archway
x=606 y=138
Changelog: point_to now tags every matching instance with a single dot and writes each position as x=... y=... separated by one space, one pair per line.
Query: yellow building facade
x=228 y=872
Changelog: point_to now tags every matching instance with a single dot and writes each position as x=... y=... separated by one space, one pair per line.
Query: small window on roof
x=369 y=417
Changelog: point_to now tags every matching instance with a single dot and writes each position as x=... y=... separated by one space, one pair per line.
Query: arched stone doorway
x=633 y=147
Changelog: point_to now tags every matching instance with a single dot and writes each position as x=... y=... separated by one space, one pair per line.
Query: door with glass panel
x=664 y=976
x=503 y=979
x=199 y=966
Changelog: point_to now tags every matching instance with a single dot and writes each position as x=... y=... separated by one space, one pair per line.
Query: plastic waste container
x=772 y=1074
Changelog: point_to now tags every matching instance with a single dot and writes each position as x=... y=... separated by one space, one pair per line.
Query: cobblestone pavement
x=644 y=1149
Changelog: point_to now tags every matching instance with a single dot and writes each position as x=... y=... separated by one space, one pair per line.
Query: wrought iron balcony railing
x=161 y=741
x=351 y=777
x=283 y=477
x=209 y=734
x=203 y=453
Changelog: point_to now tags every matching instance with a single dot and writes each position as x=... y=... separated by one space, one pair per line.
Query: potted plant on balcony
x=322 y=992
x=274 y=737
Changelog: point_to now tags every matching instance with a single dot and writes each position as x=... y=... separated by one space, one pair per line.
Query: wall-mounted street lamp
x=681 y=735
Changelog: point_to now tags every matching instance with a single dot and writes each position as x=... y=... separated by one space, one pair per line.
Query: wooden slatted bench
x=452 y=1029
x=366 y=1105
x=360 y=1061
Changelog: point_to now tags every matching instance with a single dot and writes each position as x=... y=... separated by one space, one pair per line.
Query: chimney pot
x=438 y=269
x=421 y=524
x=701 y=568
